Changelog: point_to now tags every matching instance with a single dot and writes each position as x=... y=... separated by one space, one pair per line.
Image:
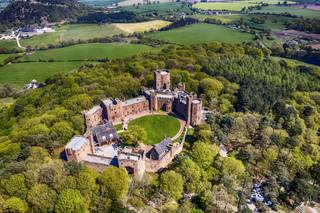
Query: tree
x=71 y=201
x=204 y=153
x=232 y=169
x=15 y=205
x=134 y=136
x=218 y=200
x=171 y=183
x=62 y=130
x=77 y=103
x=42 y=198
x=211 y=87
x=194 y=180
x=15 y=186
x=114 y=183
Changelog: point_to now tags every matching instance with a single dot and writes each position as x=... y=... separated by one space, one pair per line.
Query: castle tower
x=196 y=112
x=162 y=80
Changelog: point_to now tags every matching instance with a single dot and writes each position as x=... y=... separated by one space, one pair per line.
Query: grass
x=226 y=19
x=8 y=45
x=72 y=32
x=158 y=127
x=202 y=33
x=306 y=13
x=92 y=51
x=233 y=5
x=3 y=57
x=19 y=74
x=135 y=2
x=163 y=9
x=99 y=3
x=142 y=26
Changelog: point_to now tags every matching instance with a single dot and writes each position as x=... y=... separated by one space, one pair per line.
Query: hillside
x=21 y=13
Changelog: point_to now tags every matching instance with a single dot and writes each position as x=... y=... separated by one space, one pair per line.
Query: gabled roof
x=76 y=143
x=163 y=146
x=105 y=132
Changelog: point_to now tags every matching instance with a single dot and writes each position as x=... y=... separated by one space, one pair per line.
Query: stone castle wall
x=156 y=165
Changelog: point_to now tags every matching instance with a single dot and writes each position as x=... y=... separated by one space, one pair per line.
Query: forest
x=266 y=114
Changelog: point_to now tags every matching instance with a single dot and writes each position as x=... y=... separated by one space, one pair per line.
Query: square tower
x=162 y=80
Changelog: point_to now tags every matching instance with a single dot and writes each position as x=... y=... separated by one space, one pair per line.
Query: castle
x=99 y=146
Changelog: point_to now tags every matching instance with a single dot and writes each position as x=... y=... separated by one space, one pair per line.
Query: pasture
x=99 y=3
x=201 y=33
x=3 y=57
x=306 y=13
x=226 y=19
x=157 y=127
x=19 y=74
x=71 y=32
x=135 y=2
x=91 y=51
x=141 y=26
x=234 y=5
x=163 y=9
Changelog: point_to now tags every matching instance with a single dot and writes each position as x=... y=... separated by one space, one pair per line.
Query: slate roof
x=163 y=146
x=135 y=100
x=105 y=132
x=76 y=143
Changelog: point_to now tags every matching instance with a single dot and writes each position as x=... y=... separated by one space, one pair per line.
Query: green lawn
x=306 y=13
x=233 y=5
x=19 y=74
x=202 y=33
x=71 y=32
x=158 y=127
x=92 y=51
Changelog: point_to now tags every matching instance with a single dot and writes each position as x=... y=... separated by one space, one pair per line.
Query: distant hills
x=21 y=13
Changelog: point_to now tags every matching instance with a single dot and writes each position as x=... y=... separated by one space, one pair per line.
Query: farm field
x=18 y=74
x=306 y=13
x=92 y=51
x=135 y=2
x=157 y=127
x=234 y=5
x=8 y=45
x=162 y=9
x=72 y=32
x=202 y=33
x=274 y=23
x=226 y=19
x=142 y=26
x=4 y=57
x=100 y=3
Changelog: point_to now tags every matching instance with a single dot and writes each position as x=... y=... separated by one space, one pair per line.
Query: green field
x=92 y=51
x=306 y=13
x=234 y=5
x=71 y=32
x=4 y=57
x=158 y=127
x=162 y=9
x=99 y=3
x=226 y=19
x=19 y=74
x=202 y=33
